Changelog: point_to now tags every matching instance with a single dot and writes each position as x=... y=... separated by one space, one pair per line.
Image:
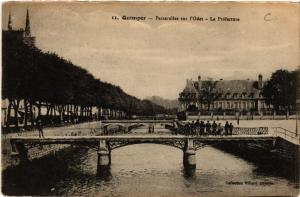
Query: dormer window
x=227 y=95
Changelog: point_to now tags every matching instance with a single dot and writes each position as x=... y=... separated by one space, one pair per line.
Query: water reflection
x=142 y=169
x=188 y=172
x=104 y=174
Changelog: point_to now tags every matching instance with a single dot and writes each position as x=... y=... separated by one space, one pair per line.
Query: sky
x=154 y=58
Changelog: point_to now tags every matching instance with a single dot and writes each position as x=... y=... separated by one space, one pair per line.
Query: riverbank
x=83 y=129
x=160 y=173
x=281 y=157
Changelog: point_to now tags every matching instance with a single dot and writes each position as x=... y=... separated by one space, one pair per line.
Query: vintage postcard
x=156 y=99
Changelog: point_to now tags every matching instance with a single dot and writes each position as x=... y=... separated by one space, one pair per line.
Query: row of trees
x=44 y=79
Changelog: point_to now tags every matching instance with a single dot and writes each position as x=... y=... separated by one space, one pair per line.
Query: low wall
x=281 y=158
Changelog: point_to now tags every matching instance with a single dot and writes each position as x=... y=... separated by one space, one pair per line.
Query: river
x=144 y=170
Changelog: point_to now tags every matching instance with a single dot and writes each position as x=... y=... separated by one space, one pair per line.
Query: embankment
x=280 y=158
x=35 y=152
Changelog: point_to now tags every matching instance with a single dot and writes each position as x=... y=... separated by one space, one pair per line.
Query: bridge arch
x=179 y=144
x=126 y=127
x=113 y=128
x=112 y=124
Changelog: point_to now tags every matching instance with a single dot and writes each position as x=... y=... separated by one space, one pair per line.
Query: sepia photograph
x=163 y=99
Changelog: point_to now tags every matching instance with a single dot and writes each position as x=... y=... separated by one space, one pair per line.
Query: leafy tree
x=280 y=90
x=255 y=85
x=39 y=77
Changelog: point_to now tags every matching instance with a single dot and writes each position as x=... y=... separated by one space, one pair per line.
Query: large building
x=223 y=96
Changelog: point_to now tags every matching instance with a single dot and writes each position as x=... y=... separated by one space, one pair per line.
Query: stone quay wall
x=36 y=152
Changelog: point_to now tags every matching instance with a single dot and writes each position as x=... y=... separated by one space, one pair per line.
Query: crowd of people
x=197 y=128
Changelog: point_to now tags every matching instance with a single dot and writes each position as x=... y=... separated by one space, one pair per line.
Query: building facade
x=224 y=96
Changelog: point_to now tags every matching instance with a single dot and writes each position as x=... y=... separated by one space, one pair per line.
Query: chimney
x=199 y=82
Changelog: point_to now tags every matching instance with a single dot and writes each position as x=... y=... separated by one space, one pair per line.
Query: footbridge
x=125 y=126
x=105 y=144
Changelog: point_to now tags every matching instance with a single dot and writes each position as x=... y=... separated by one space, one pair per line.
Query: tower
x=9 y=25
x=27 y=38
x=27 y=25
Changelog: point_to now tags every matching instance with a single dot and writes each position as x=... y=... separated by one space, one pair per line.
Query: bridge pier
x=104 y=157
x=20 y=150
x=126 y=129
x=189 y=156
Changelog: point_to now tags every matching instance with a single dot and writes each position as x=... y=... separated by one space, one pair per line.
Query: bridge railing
x=138 y=121
x=286 y=134
x=235 y=131
x=250 y=131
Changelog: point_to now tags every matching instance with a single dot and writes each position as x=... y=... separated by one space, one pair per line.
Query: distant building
x=228 y=95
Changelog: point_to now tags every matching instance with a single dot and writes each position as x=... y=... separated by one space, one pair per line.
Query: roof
x=236 y=86
x=190 y=88
x=239 y=87
x=227 y=88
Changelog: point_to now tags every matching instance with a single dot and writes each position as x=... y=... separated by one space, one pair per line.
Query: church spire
x=9 y=26
x=27 y=27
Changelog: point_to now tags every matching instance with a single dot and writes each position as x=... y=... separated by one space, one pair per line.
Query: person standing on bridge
x=220 y=129
x=214 y=128
x=207 y=127
x=151 y=128
x=175 y=127
x=39 y=126
x=187 y=128
x=193 y=128
x=226 y=128
x=202 y=128
x=197 y=127
x=230 y=128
